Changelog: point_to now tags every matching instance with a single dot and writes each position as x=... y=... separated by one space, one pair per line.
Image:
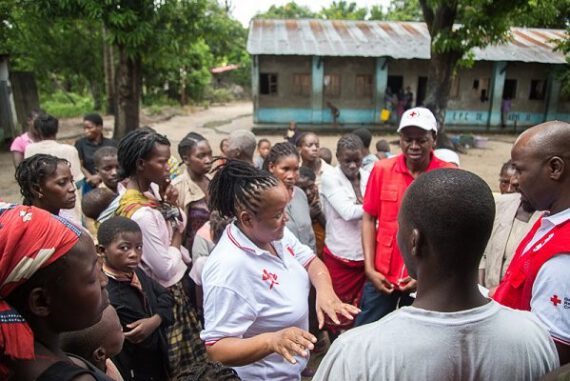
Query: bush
x=218 y=95
x=66 y=105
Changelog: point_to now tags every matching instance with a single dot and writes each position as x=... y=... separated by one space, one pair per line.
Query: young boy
x=144 y=307
x=306 y=182
x=382 y=149
x=107 y=167
x=97 y=204
x=263 y=148
x=94 y=346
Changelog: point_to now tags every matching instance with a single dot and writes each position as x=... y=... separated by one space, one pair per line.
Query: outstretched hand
x=329 y=304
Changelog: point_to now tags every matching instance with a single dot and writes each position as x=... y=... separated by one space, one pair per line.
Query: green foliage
x=343 y=10
x=404 y=10
x=66 y=105
x=553 y=14
x=564 y=72
x=290 y=10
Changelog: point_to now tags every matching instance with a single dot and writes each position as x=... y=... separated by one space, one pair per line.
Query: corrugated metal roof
x=405 y=40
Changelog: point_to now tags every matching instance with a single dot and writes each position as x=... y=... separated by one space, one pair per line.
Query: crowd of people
x=125 y=262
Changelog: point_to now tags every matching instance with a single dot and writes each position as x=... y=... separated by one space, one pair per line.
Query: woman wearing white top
x=342 y=193
x=256 y=281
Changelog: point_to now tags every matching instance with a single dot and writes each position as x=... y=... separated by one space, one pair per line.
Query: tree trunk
x=128 y=81
x=440 y=20
x=109 y=68
x=95 y=88
x=440 y=73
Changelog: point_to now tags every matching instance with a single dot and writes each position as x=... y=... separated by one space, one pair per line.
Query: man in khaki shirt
x=513 y=220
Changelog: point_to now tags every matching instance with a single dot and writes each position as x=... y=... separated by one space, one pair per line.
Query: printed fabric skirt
x=185 y=348
x=348 y=279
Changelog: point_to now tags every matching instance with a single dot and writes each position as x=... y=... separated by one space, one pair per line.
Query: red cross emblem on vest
x=555 y=300
x=270 y=277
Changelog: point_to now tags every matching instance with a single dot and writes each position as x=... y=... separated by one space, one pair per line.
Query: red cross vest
x=515 y=290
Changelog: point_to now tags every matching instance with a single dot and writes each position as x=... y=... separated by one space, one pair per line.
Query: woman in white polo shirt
x=256 y=281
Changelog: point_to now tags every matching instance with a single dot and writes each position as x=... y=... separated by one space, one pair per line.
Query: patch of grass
x=66 y=105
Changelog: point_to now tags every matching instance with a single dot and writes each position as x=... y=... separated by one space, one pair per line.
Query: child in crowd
x=368 y=158
x=144 y=307
x=60 y=289
x=293 y=134
x=325 y=154
x=87 y=145
x=307 y=184
x=206 y=239
x=93 y=347
x=94 y=204
x=107 y=167
x=383 y=149
x=224 y=144
x=263 y=147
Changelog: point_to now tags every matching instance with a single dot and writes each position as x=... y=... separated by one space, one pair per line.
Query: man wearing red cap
x=389 y=284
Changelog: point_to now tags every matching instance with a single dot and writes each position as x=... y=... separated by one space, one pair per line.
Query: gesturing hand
x=330 y=305
x=292 y=341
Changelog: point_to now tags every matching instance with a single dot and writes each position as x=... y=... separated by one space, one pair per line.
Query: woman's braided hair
x=188 y=143
x=238 y=186
x=137 y=144
x=278 y=152
x=33 y=171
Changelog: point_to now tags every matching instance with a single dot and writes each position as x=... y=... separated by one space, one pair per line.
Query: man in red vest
x=389 y=284
x=537 y=278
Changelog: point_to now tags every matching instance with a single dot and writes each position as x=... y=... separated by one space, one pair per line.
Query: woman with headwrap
x=50 y=282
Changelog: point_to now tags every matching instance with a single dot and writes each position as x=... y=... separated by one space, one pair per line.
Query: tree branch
x=428 y=14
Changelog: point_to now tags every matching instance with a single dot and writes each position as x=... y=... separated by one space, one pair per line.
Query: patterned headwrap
x=30 y=239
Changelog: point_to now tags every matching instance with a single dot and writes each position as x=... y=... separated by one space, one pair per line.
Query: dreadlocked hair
x=209 y=371
x=188 y=143
x=349 y=142
x=238 y=185
x=137 y=144
x=33 y=171
x=278 y=152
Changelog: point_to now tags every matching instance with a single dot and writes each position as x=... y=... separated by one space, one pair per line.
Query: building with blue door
x=308 y=70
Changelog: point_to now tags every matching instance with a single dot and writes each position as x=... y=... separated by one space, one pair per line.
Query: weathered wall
x=348 y=68
x=285 y=67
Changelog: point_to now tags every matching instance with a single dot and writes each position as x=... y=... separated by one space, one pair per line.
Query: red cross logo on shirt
x=555 y=300
x=271 y=277
x=413 y=113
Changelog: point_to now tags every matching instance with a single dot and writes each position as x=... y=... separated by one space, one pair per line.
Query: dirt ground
x=217 y=122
